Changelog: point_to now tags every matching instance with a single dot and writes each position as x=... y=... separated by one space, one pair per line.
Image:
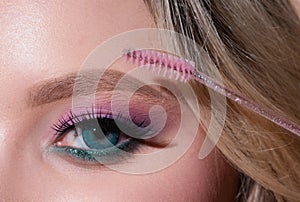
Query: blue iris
x=94 y=138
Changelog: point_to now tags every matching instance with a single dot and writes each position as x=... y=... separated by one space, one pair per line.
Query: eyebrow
x=55 y=89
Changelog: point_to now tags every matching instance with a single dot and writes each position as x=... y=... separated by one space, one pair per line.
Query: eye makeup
x=90 y=134
x=94 y=135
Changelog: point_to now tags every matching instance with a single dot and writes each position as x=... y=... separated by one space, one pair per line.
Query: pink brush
x=162 y=62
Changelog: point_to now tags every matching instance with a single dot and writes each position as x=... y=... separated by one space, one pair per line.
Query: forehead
x=40 y=40
x=38 y=33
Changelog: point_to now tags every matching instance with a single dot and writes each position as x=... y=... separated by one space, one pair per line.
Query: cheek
x=191 y=179
x=188 y=179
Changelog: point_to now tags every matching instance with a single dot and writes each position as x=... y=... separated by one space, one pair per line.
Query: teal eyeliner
x=113 y=154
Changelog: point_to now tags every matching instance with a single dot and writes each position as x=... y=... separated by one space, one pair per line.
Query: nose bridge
x=8 y=164
x=8 y=150
x=15 y=126
x=7 y=143
x=14 y=173
x=13 y=114
x=17 y=164
x=13 y=152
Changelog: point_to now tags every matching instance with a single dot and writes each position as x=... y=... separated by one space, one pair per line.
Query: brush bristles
x=162 y=63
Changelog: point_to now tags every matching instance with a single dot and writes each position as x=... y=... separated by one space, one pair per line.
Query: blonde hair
x=255 y=44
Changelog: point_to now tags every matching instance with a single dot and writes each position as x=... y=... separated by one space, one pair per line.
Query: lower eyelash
x=106 y=156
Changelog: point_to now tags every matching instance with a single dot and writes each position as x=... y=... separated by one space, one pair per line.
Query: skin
x=44 y=40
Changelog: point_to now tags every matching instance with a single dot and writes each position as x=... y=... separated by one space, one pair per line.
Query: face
x=44 y=156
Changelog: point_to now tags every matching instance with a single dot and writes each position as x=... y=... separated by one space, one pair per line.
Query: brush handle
x=253 y=106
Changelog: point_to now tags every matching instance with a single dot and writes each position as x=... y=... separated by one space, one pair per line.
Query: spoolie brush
x=168 y=65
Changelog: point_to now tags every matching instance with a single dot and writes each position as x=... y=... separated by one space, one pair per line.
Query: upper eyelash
x=72 y=119
x=189 y=72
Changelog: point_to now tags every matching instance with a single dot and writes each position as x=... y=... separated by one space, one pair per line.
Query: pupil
x=94 y=138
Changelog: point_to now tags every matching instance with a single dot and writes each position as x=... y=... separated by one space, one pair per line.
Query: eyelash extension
x=187 y=70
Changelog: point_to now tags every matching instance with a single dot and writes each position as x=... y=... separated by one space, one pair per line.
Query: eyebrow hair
x=55 y=89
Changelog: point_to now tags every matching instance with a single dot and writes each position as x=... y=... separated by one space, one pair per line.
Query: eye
x=93 y=136
x=100 y=134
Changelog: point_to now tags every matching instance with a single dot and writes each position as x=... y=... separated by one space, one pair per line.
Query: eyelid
x=72 y=119
x=140 y=101
x=104 y=101
x=139 y=117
